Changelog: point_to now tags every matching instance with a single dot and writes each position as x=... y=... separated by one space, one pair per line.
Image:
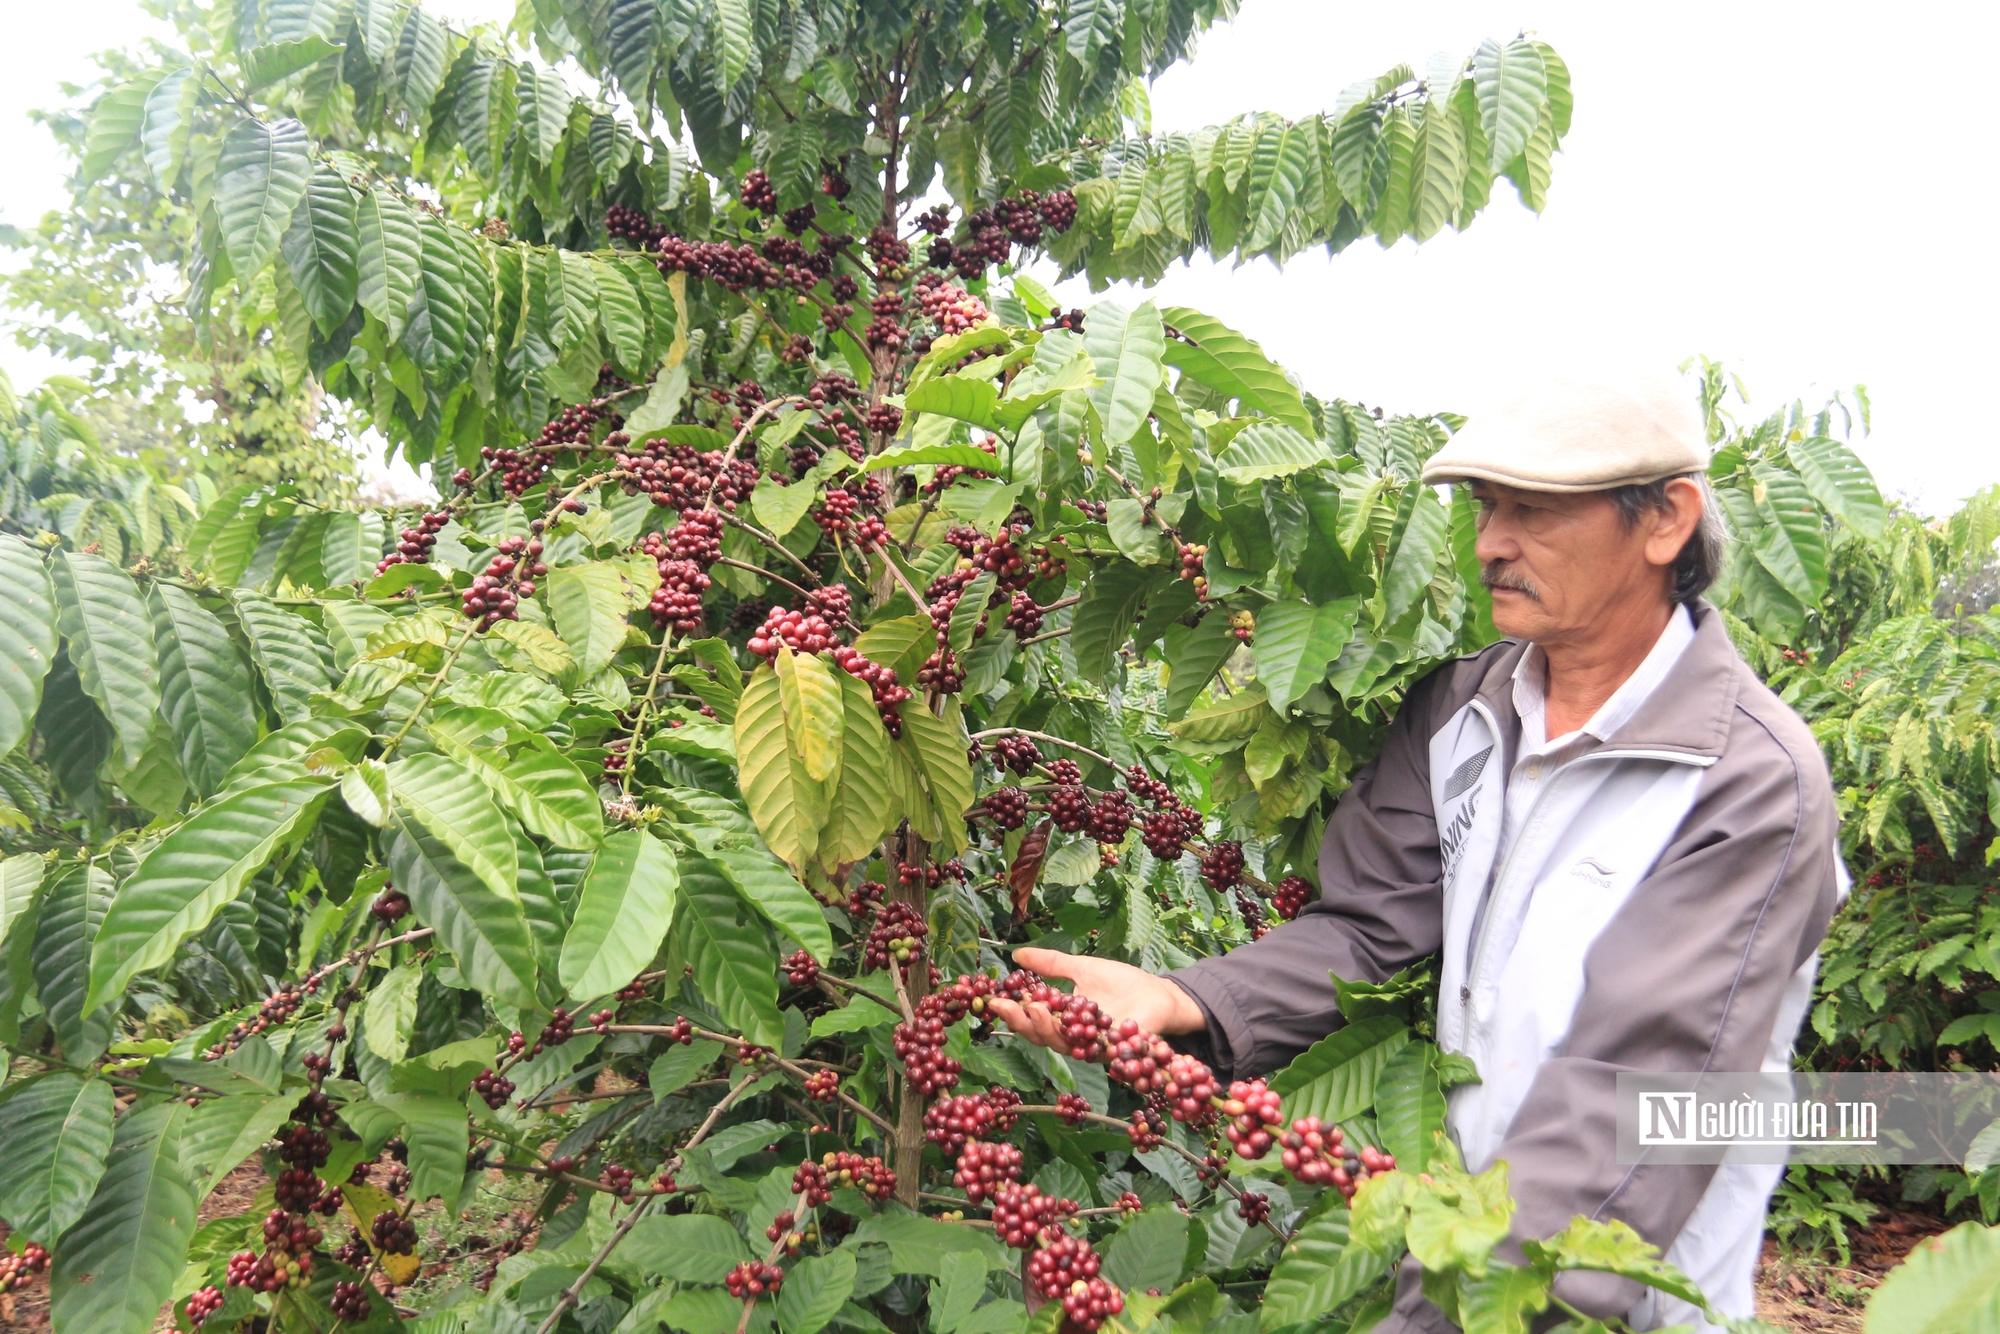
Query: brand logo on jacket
x=1595 y=871
x=1451 y=839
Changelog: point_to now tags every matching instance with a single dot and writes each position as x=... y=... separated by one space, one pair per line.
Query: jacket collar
x=1688 y=713
x=1691 y=710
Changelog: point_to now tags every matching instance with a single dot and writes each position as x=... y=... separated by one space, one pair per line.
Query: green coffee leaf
x=623 y=911
x=1295 y=644
x=731 y=955
x=777 y=896
x=687 y=1248
x=203 y=687
x=1317 y=1271
x=816 y=1289
x=185 y=880
x=445 y=800
x=116 y=1267
x=260 y=178
x=438 y=1136
x=1103 y=620
x=485 y=929
x=110 y=639
x=1232 y=365
x=27 y=638
x=58 y=1132
x=1127 y=348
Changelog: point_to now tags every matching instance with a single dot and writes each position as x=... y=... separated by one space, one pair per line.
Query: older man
x=1621 y=843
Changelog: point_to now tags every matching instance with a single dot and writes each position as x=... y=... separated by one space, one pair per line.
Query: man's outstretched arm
x=1380 y=909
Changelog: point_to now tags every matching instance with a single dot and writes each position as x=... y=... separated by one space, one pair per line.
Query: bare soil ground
x=1817 y=1296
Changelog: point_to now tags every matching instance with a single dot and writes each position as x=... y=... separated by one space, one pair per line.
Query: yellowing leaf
x=813 y=717
x=787 y=805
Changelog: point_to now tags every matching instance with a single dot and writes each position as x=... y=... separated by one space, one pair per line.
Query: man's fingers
x=1049 y=963
x=1033 y=1022
x=1009 y=1012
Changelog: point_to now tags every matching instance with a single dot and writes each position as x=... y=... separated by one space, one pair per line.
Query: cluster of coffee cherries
x=823 y=1085
x=1018 y=754
x=1021 y=1213
x=950 y=1122
x=287 y=1260
x=801 y=969
x=278 y=1007
x=1170 y=824
x=817 y=1181
x=681 y=477
x=1006 y=807
x=951 y=308
x=683 y=558
x=201 y=1303
x=758 y=193
x=1136 y=1056
x=493 y=1089
x=985 y=1167
x=779 y=261
x=799 y=631
x=997 y=555
x=1289 y=895
x=17 y=1268
x=1067 y=1267
x=393 y=1234
x=303 y=1149
x=1243 y=624
x=920 y=1043
x=987 y=235
x=1148 y=1066
x=572 y=428
x=896 y=933
x=390 y=906
x=349 y=1302
x=1194 y=558
x=1147 y=1130
x=1222 y=865
x=1252 y=1109
x=753 y=1279
x=495 y=593
x=885 y=419
x=783 y=1231
x=1106 y=820
x=413 y=545
x=1319 y=1156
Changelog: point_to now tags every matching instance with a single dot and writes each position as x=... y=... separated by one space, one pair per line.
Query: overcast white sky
x=1798 y=189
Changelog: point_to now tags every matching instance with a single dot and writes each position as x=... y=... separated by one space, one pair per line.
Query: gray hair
x=1700 y=561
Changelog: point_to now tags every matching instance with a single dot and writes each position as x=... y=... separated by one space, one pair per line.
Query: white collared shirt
x=1539 y=756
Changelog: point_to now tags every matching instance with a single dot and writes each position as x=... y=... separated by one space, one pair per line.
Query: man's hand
x=1123 y=991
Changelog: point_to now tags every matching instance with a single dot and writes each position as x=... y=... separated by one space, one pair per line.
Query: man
x=1621 y=842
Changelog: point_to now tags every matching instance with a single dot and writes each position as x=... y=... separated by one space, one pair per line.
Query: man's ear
x=1674 y=522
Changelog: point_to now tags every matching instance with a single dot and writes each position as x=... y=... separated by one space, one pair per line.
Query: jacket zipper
x=1466 y=988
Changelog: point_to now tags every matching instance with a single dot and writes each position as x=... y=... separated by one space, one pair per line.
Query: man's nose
x=1496 y=540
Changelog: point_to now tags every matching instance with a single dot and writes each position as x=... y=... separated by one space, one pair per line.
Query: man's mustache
x=1499 y=574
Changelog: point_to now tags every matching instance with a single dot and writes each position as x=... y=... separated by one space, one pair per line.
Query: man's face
x=1560 y=565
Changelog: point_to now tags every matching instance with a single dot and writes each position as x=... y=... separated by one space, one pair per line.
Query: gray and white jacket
x=1658 y=908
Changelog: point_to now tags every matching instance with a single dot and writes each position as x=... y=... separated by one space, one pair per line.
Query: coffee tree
x=814 y=610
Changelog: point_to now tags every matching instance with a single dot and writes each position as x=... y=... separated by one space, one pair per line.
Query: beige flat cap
x=1575 y=434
